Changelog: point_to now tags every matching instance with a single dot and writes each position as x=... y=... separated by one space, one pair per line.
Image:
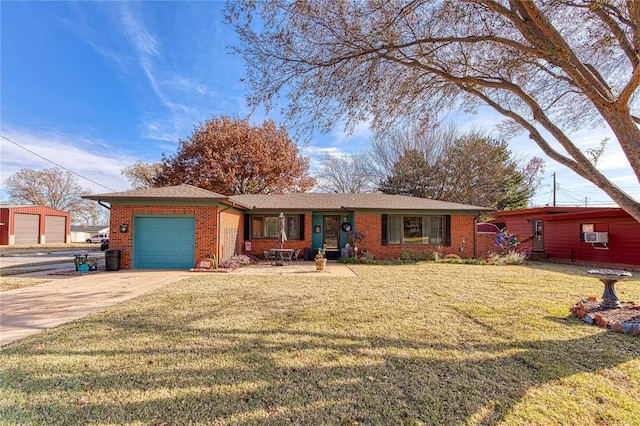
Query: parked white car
x=98 y=238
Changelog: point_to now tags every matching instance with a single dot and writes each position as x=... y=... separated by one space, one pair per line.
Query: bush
x=510 y=258
x=409 y=254
x=235 y=261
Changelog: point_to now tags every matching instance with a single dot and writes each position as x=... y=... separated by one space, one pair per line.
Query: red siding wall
x=522 y=229
x=562 y=234
x=562 y=240
x=4 y=227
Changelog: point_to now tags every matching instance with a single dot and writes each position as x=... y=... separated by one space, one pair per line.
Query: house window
x=416 y=230
x=267 y=227
x=587 y=227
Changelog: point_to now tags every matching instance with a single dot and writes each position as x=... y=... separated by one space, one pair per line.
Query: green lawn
x=418 y=344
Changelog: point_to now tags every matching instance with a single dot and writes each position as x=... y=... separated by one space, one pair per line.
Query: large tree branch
x=595 y=176
x=630 y=88
x=537 y=29
x=618 y=33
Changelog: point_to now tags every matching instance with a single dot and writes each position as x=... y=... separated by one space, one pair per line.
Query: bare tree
x=141 y=175
x=54 y=188
x=549 y=67
x=344 y=174
x=388 y=146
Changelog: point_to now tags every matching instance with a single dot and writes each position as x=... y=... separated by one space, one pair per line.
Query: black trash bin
x=112 y=260
x=309 y=253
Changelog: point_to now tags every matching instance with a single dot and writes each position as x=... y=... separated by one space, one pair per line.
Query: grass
x=12 y=283
x=411 y=344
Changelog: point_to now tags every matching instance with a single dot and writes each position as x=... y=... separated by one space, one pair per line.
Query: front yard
x=415 y=344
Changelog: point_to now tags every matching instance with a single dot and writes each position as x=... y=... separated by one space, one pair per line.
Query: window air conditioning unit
x=596 y=237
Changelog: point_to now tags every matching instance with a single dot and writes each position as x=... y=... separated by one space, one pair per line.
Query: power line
x=56 y=164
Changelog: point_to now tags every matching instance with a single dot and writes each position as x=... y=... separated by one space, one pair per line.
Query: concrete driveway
x=29 y=310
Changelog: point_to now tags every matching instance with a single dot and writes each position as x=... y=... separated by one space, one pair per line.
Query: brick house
x=174 y=227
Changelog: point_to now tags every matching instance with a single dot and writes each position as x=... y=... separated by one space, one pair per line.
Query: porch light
x=124 y=228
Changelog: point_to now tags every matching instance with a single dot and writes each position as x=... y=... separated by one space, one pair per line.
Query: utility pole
x=554 y=189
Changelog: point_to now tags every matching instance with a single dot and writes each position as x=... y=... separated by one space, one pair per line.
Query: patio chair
x=287 y=256
x=268 y=255
x=296 y=254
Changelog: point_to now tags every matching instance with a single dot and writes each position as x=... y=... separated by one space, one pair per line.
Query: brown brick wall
x=462 y=229
x=259 y=245
x=486 y=245
x=205 y=221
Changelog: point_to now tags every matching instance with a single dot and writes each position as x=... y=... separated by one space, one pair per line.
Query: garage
x=27 y=228
x=164 y=242
x=55 y=228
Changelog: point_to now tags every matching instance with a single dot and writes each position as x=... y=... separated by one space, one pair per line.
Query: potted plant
x=354 y=238
x=321 y=260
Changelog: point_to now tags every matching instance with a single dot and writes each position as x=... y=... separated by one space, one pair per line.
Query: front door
x=331 y=232
x=538 y=235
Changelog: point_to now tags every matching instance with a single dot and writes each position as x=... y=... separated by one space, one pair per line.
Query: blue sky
x=95 y=86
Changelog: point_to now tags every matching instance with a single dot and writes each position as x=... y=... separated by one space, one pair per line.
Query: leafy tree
x=141 y=175
x=474 y=169
x=230 y=156
x=412 y=175
x=57 y=189
x=549 y=67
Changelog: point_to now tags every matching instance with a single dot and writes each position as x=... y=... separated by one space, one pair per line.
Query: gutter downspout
x=233 y=204
x=475 y=235
x=104 y=205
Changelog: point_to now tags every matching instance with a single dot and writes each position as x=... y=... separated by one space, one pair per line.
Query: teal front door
x=163 y=242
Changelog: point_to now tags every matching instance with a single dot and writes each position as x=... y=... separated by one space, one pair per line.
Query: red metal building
x=603 y=236
x=33 y=225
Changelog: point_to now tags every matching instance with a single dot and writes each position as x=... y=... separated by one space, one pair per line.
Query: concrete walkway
x=29 y=310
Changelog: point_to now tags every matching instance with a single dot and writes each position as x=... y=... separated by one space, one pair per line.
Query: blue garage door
x=164 y=242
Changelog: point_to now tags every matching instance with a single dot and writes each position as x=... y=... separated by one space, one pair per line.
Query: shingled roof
x=177 y=193
x=298 y=201
x=322 y=201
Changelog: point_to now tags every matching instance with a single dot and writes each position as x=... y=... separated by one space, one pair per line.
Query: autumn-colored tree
x=229 y=156
x=549 y=67
x=57 y=189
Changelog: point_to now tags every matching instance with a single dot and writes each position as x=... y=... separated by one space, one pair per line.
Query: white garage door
x=55 y=228
x=26 y=228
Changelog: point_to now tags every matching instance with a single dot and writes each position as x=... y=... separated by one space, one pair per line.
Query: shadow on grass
x=214 y=375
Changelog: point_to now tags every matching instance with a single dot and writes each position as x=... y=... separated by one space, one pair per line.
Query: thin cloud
x=80 y=154
x=137 y=34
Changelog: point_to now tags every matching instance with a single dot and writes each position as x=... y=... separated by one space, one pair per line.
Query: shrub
x=409 y=254
x=235 y=261
x=512 y=257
